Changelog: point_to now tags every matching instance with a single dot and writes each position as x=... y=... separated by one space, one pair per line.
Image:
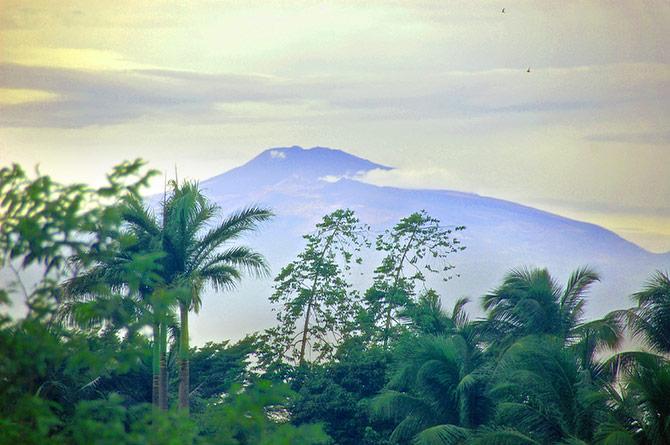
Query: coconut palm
x=545 y=395
x=651 y=319
x=437 y=394
x=592 y=339
x=427 y=316
x=641 y=407
x=531 y=302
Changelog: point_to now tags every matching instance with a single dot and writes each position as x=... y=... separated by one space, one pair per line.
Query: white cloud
x=330 y=178
x=416 y=178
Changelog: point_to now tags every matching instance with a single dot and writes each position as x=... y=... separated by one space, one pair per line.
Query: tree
x=42 y=222
x=545 y=396
x=438 y=392
x=132 y=269
x=337 y=394
x=641 y=407
x=427 y=316
x=640 y=402
x=651 y=319
x=318 y=303
x=216 y=367
x=530 y=301
x=58 y=381
x=47 y=369
x=257 y=415
x=195 y=256
x=592 y=338
x=417 y=245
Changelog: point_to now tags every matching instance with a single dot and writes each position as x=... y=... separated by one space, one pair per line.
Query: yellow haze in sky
x=15 y=96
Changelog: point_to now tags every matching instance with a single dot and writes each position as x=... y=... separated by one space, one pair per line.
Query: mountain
x=278 y=165
x=301 y=185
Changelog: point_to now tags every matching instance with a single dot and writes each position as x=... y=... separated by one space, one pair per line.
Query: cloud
x=417 y=178
x=644 y=138
x=276 y=154
x=104 y=97
x=110 y=97
x=508 y=91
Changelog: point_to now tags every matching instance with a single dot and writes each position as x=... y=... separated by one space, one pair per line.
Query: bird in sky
x=503 y=10
x=528 y=70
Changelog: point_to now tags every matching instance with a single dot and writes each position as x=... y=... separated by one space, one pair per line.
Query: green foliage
x=318 y=304
x=196 y=256
x=338 y=395
x=427 y=316
x=395 y=367
x=109 y=422
x=45 y=369
x=651 y=320
x=43 y=222
x=193 y=253
x=437 y=390
x=215 y=367
x=641 y=407
x=256 y=415
x=544 y=393
x=531 y=302
x=50 y=376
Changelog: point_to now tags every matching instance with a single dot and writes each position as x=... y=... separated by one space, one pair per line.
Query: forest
x=101 y=352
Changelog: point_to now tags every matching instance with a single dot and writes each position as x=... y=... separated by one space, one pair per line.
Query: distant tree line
x=102 y=353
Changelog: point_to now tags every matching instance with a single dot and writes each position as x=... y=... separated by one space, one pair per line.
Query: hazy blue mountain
x=302 y=185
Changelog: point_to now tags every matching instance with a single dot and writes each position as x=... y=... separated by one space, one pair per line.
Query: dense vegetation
x=101 y=354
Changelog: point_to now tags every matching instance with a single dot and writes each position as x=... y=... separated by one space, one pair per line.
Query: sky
x=439 y=89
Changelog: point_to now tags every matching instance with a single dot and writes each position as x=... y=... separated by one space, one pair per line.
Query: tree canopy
x=103 y=345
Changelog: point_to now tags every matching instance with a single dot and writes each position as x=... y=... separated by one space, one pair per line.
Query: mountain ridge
x=500 y=234
x=340 y=175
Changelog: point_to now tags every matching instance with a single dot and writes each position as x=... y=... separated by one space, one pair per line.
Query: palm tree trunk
x=183 y=359
x=155 y=364
x=162 y=373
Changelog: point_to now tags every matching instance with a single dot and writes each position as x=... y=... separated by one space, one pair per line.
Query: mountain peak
x=280 y=163
x=336 y=161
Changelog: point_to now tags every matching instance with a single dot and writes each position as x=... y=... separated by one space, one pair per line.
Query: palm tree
x=651 y=319
x=184 y=257
x=545 y=396
x=438 y=392
x=531 y=302
x=641 y=407
x=592 y=338
x=129 y=272
x=427 y=316
x=196 y=254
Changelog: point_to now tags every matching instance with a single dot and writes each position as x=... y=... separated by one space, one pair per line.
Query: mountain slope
x=302 y=185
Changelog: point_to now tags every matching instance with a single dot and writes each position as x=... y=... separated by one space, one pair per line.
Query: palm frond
x=504 y=437
x=222 y=277
x=231 y=228
x=241 y=257
x=139 y=217
x=443 y=435
x=572 y=300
